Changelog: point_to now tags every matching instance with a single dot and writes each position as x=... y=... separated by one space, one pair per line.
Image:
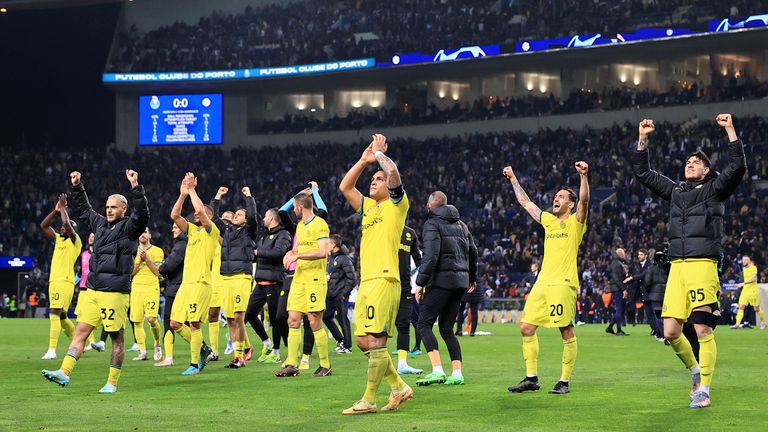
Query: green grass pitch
x=623 y=384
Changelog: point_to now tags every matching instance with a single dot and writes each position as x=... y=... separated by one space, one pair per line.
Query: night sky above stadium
x=50 y=79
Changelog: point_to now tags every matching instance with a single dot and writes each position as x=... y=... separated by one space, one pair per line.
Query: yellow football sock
x=393 y=378
x=141 y=335
x=213 y=335
x=53 y=337
x=68 y=327
x=570 y=349
x=707 y=358
x=185 y=332
x=239 y=348
x=195 y=344
x=531 y=354
x=247 y=341
x=154 y=327
x=377 y=368
x=168 y=342
x=402 y=355
x=761 y=314
x=294 y=341
x=68 y=364
x=321 y=342
x=683 y=349
x=114 y=375
x=739 y=316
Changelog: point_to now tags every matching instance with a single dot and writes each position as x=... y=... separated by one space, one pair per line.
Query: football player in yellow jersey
x=309 y=287
x=378 y=297
x=749 y=294
x=194 y=295
x=61 y=281
x=552 y=300
x=217 y=283
x=145 y=295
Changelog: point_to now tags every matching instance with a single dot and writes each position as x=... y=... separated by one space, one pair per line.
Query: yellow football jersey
x=198 y=260
x=65 y=254
x=382 y=228
x=216 y=278
x=749 y=273
x=307 y=236
x=561 y=247
x=144 y=277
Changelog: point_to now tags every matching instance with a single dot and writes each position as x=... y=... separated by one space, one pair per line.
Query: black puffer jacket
x=341 y=274
x=654 y=283
x=172 y=267
x=696 y=208
x=115 y=245
x=238 y=241
x=449 y=257
x=272 y=247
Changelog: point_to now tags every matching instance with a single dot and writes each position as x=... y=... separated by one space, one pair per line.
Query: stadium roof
x=14 y=5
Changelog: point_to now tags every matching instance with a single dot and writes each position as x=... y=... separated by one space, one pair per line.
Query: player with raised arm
x=749 y=293
x=194 y=295
x=552 y=300
x=115 y=245
x=61 y=279
x=145 y=295
x=697 y=208
x=378 y=296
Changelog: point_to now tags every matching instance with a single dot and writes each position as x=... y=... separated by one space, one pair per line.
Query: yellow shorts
x=692 y=283
x=236 y=290
x=60 y=294
x=145 y=302
x=749 y=296
x=217 y=290
x=82 y=297
x=376 y=306
x=105 y=308
x=550 y=306
x=306 y=297
x=192 y=302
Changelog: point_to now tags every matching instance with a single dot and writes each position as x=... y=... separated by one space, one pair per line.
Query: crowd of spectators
x=735 y=86
x=307 y=31
x=467 y=168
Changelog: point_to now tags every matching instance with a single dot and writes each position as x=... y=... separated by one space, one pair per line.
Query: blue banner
x=180 y=119
x=443 y=55
x=725 y=24
x=144 y=77
x=17 y=262
x=580 y=41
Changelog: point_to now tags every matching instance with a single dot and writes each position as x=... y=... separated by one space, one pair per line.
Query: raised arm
x=45 y=225
x=521 y=196
x=215 y=204
x=176 y=216
x=251 y=215
x=140 y=207
x=197 y=203
x=725 y=184
x=390 y=169
x=582 y=209
x=660 y=185
x=83 y=210
x=347 y=186
x=321 y=207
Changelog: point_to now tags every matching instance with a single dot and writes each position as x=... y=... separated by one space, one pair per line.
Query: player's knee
x=175 y=325
x=151 y=320
x=447 y=333
x=527 y=330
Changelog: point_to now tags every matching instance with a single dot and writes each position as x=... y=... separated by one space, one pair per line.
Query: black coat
x=341 y=274
x=116 y=243
x=409 y=248
x=449 y=257
x=696 y=208
x=617 y=274
x=638 y=272
x=172 y=267
x=238 y=241
x=654 y=283
x=271 y=248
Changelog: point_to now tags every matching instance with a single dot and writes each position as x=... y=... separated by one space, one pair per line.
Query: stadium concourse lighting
x=3 y=10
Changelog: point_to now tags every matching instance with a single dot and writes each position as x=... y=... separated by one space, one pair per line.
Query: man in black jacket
x=697 y=207
x=654 y=283
x=617 y=275
x=409 y=250
x=114 y=248
x=448 y=270
x=341 y=281
x=238 y=243
x=269 y=277
x=172 y=270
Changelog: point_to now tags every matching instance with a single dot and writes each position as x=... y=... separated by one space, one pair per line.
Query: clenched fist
x=508 y=173
x=221 y=192
x=132 y=177
x=582 y=168
x=74 y=176
x=246 y=191
x=724 y=120
x=646 y=128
